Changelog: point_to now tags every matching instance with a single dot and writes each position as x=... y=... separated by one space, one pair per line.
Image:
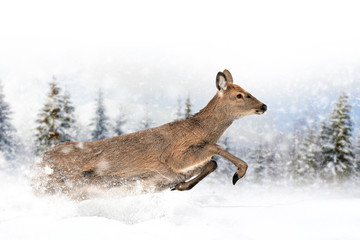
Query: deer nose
x=263 y=107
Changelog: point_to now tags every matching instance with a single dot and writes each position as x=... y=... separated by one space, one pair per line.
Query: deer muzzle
x=262 y=109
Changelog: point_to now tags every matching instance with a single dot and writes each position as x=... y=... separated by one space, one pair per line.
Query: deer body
x=162 y=157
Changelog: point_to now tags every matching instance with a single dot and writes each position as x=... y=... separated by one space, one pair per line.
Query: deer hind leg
x=208 y=168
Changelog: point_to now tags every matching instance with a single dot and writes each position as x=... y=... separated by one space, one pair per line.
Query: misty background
x=292 y=56
x=145 y=57
x=150 y=59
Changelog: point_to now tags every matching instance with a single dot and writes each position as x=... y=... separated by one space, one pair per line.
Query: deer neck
x=213 y=120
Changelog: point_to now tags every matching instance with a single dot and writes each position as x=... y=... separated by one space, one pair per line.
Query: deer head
x=236 y=101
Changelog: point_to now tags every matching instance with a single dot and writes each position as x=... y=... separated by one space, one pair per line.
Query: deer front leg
x=242 y=166
x=209 y=168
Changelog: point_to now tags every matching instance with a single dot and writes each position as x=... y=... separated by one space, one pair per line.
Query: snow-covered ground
x=212 y=210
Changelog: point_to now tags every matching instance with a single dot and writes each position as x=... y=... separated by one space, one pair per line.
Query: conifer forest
x=326 y=151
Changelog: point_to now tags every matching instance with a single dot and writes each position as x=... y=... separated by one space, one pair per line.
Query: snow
x=298 y=73
x=210 y=211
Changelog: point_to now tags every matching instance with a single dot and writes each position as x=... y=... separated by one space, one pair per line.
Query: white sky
x=155 y=51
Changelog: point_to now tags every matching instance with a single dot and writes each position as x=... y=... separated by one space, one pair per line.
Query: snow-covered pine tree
x=279 y=157
x=308 y=159
x=188 y=110
x=300 y=165
x=326 y=146
x=48 y=131
x=257 y=161
x=292 y=142
x=68 y=123
x=358 y=144
x=270 y=155
x=119 y=122
x=357 y=158
x=340 y=164
x=290 y=154
x=277 y=166
x=314 y=154
x=100 y=122
x=8 y=142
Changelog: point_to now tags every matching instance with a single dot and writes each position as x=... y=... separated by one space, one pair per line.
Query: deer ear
x=221 y=81
x=228 y=76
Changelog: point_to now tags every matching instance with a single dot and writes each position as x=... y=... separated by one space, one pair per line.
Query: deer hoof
x=235 y=178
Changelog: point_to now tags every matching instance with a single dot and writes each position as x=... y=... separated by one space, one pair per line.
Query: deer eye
x=239 y=96
x=248 y=96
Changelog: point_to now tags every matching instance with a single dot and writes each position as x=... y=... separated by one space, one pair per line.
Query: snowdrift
x=212 y=210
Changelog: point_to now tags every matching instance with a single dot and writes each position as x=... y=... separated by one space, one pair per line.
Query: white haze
x=151 y=53
x=295 y=56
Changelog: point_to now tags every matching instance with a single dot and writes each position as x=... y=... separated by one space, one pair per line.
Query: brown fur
x=161 y=157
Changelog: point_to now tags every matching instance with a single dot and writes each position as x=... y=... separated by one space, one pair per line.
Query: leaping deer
x=162 y=157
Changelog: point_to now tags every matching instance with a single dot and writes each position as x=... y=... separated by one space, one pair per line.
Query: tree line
x=323 y=152
x=56 y=122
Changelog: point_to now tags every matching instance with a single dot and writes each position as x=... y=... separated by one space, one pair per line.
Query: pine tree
x=257 y=160
x=271 y=155
x=326 y=144
x=68 y=119
x=8 y=143
x=340 y=162
x=188 y=111
x=300 y=164
x=100 y=121
x=49 y=132
x=358 y=146
x=292 y=141
x=291 y=158
x=119 y=123
x=308 y=159
x=357 y=158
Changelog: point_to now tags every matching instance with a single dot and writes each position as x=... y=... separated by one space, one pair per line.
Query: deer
x=176 y=155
